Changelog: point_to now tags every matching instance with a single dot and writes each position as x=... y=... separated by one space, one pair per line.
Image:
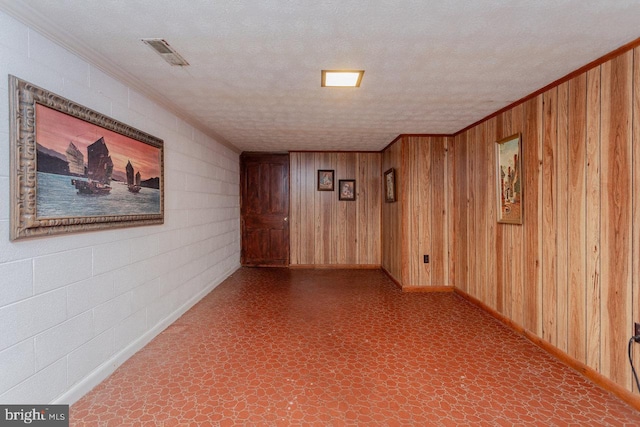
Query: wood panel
x=481 y=193
x=615 y=292
x=425 y=226
x=327 y=231
x=562 y=234
x=368 y=207
x=294 y=205
x=549 y=216
x=505 y=252
x=490 y=223
x=459 y=238
x=532 y=162
x=576 y=205
x=450 y=188
x=439 y=227
x=473 y=248
x=518 y=252
x=589 y=336
x=412 y=161
x=392 y=215
x=324 y=223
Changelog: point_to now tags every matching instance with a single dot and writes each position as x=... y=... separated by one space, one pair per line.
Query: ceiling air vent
x=166 y=52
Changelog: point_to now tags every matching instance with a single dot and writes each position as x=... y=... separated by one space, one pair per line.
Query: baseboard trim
x=586 y=371
x=428 y=289
x=103 y=371
x=336 y=266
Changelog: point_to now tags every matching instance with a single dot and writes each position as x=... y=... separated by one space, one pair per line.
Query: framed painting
x=509 y=179
x=390 y=186
x=73 y=169
x=347 y=189
x=325 y=180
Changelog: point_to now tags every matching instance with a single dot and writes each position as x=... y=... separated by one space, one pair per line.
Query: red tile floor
x=279 y=347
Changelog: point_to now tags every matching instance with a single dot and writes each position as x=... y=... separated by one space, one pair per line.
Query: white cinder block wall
x=74 y=307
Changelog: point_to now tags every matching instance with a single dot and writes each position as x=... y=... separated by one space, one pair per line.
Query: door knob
x=286 y=218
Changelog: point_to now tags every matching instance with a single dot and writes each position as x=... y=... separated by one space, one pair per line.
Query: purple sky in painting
x=54 y=130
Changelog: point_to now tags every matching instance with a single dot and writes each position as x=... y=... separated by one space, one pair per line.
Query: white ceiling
x=254 y=79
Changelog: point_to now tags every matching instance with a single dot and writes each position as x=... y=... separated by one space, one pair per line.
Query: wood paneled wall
x=392 y=214
x=571 y=273
x=418 y=223
x=324 y=230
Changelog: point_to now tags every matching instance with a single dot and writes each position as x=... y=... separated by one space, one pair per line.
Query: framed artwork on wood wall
x=509 y=179
x=390 y=186
x=347 y=189
x=325 y=180
x=73 y=169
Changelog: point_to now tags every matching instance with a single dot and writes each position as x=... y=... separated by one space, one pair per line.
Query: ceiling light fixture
x=167 y=53
x=342 y=78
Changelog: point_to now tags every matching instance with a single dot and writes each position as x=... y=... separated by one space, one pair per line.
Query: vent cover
x=166 y=52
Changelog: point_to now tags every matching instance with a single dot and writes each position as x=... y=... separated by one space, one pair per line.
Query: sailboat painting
x=84 y=169
x=91 y=171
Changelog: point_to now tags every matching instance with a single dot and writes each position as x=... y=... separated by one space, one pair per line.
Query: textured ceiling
x=254 y=78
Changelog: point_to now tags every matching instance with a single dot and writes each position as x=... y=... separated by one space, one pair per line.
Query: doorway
x=264 y=209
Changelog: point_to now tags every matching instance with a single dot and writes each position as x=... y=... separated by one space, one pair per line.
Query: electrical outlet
x=426 y=259
x=636 y=334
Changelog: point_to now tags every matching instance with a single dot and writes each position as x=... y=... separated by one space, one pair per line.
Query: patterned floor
x=279 y=347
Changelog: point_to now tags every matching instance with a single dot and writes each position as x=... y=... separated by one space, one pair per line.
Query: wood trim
x=593 y=64
x=419 y=135
x=336 y=266
x=425 y=135
x=263 y=153
x=397 y=138
x=428 y=289
x=334 y=151
x=403 y=198
x=589 y=373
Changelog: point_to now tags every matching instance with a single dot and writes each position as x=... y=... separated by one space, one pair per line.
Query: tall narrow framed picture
x=390 y=186
x=509 y=180
x=325 y=180
x=74 y=169
x=347 y=189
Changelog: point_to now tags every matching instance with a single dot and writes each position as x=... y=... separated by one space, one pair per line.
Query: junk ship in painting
x=76 y=160
x=99 y=169
x=133 y=182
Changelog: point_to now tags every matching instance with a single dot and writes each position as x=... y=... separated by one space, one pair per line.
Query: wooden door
x=264 y=209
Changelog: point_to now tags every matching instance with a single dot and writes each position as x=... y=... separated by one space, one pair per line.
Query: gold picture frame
x=73 y=169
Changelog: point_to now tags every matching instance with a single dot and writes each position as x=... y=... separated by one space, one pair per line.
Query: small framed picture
x=347 y=189
x=390 y=186
x=325 y=180
x=509 y=180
